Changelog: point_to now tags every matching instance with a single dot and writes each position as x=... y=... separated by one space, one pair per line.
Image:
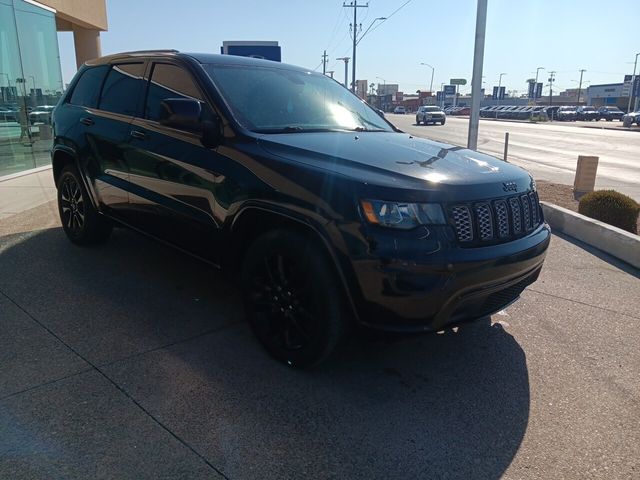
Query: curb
x=612 y=240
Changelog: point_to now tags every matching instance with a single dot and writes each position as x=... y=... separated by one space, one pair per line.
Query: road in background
x=548 y=150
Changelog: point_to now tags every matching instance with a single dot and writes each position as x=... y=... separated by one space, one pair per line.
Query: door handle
x=87 y=121
x=138 y=134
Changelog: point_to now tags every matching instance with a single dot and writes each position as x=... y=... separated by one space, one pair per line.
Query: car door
x=173 y=176
x=105 y=135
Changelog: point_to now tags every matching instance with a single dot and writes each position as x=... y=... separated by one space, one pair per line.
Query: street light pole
x=633 y=81
x=476 y=80
x=580 y=86
x=535 y=87
x=498 y=96
x=346 y=70
x=432 y=72
x=442 y=94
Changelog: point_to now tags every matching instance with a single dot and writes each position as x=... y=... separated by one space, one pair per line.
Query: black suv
x=326 y=211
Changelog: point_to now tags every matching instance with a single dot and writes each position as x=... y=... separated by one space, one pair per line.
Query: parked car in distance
x=399 y=109
x=41 y=114
x=587 y=113
x=430 y=114
x=8 y=115
x=565 y=113
x=325 y=219
x=631 y=118
x=610 y=113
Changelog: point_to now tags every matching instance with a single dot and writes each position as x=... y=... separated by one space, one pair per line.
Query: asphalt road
x=548 y=150
x=132 y=361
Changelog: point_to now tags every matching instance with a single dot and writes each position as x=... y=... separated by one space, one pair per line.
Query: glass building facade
x=30 y=84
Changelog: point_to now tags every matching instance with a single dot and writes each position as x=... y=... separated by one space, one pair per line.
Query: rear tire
x=292 y=299
x=80 y=220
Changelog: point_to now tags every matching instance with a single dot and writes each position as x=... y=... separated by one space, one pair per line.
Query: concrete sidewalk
x=22 y=192
x=132 y=361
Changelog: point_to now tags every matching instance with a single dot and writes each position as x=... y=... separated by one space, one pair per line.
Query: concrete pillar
x=87 y=44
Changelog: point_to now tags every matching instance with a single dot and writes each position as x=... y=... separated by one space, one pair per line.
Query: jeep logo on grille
x=509 y=186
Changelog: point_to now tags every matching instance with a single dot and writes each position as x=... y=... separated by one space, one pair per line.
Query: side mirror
x=187 y=114
x=181 y=113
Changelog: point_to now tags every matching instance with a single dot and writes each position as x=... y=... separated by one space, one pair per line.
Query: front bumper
x=432 y=118
x=449 y=285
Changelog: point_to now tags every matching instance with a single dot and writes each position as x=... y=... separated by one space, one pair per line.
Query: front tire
x=442 y=122
x=81 y=222
x=417 y=120
x=292 y=299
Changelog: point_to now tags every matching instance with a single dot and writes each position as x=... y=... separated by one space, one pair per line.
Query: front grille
x=495 y=221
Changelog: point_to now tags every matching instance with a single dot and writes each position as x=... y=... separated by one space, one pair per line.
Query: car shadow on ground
x=169 y=331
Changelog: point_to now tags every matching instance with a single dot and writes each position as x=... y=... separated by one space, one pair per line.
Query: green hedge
x=611 y=207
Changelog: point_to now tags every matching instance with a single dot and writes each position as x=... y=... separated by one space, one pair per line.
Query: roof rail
x=160 y=50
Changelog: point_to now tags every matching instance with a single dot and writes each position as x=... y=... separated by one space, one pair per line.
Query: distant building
x=361 y=88
x=256 y=49
x=387 y=89
x=607 y=94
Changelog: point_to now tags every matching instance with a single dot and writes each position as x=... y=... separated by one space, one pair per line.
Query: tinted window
x=122 y=88
x=168 y=81
x=86 y=91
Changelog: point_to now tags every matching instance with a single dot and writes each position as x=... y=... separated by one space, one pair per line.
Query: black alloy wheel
x=80 y=220
x=291 y=298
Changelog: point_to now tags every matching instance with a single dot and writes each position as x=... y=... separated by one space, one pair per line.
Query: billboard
x=265 y=50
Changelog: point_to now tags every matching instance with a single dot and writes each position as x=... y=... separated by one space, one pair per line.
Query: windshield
x=431 y=109
x=277 y=100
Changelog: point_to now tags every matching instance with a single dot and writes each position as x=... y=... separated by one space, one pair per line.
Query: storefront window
x=30 y=84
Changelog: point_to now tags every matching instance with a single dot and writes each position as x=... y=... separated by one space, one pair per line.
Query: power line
x=391 y=15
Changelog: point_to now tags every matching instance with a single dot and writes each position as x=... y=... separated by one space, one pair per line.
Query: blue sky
x=562 y=35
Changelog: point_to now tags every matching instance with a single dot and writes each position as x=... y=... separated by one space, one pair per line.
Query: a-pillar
x=87 y=44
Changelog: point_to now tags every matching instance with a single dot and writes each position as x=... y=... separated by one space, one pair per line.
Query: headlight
x=402 y=215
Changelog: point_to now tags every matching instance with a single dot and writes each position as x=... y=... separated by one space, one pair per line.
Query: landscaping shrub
x=611 y=207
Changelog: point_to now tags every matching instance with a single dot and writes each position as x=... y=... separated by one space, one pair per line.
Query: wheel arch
x=63 y=156
x=253 y=220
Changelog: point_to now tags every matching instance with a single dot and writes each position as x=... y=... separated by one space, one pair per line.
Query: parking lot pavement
x=131 y=360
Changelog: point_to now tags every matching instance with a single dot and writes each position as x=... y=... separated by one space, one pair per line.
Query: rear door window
x=122 y=89
x=86 y=91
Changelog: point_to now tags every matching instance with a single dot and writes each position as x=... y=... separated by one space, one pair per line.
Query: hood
x=400 y=160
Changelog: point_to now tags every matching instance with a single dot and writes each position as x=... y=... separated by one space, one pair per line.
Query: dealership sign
x=449 y=89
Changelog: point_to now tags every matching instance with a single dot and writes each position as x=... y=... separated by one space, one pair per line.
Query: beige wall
x=89 y=14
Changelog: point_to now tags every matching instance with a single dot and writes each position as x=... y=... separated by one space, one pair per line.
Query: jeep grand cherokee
x=327 y=212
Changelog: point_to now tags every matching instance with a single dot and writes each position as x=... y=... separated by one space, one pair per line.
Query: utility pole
x=580 y=85
x=633 y=81
x=476 y=80
x=324 y=63
x=551 y=80
x=355 y=7
x=346 y=70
